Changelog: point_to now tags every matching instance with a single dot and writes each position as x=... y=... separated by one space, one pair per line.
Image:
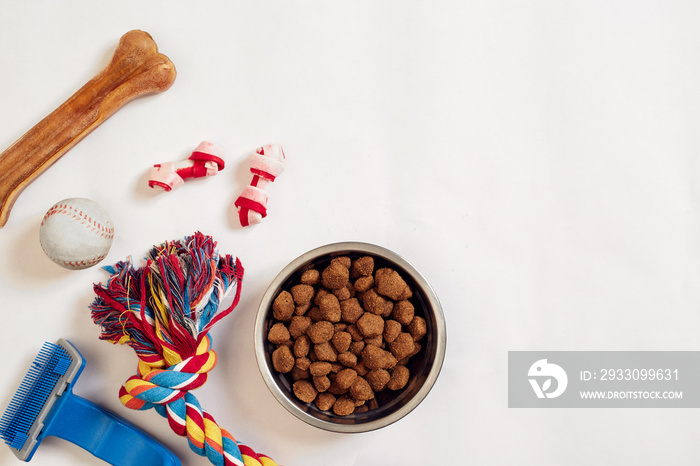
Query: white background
x=536 y=161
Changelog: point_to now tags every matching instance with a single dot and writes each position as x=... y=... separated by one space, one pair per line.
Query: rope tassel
x=164 y=311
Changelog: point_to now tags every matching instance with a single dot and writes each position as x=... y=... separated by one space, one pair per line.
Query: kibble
x=356 y=347
x=310 y=277
x=363 y=284
x=335 y=276
x=392 y=329
x=304 y=390
x=301 y=309
x=345 y=333
x=373 y=357
x=302 y=363
x=399 y=378
x=330 y=308
x=355 y=333
x=362 y=267
x=360 y=390
x=302 y=293
x=343 y=293
x=302 y=345
x=360 y=369
x=350 y=310
x=347 y=359
x=335 y=388
x=345 y=261
x=417 y=328
x=322 y=383
x=283 y=306
x=278 y=334
x=343 y=406
x=373 y=302
x=345 y=378
x=298 y=326
x=390 y=284
x=341 y=341
x=322 y=331
x=325 y=352
x=403 y=312
x=378 y=379
x=324 y=401
x=320 y=293
x=283 y=359
x=320 y=368
x=402 y=346
x=370 y=325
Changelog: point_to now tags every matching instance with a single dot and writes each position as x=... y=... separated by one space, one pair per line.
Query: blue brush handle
x=105 y=435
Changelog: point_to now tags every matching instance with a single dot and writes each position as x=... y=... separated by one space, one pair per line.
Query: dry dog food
x=345 y=333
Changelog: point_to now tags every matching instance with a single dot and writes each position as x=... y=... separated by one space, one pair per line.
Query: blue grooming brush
x=45 y=405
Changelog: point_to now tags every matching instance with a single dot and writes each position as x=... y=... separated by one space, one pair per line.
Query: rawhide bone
x=136 y=69
x=205 y=160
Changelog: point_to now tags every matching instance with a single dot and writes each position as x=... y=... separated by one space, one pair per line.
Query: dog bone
x=266 y=163
x=136 y=69
x=205 y=160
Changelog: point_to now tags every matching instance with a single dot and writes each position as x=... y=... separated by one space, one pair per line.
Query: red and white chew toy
x=266 y=163
x=206 y=160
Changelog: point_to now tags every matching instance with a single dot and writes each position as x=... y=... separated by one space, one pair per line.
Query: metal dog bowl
x=424 y=366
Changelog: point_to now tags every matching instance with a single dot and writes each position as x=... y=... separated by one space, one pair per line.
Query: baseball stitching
x=83 y=218
x=84 y=263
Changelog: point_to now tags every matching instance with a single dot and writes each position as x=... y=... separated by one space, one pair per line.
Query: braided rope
x=164 y=311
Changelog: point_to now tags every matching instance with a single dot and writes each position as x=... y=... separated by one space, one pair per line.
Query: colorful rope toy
x=206 y=160
x=266 y=163
x=164 y=311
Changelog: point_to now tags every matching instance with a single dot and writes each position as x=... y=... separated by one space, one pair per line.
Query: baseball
x=76 y=233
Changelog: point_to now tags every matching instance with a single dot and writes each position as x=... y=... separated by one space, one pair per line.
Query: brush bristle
x=51 y=363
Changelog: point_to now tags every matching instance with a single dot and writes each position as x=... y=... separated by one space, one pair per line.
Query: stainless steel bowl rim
x=350 y=247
